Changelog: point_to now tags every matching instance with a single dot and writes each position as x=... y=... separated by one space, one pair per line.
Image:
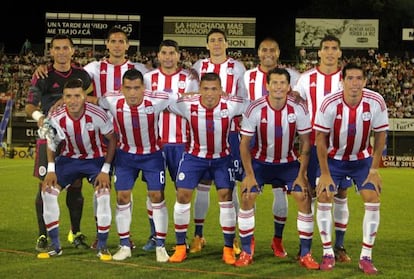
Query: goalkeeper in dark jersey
x=42 y=94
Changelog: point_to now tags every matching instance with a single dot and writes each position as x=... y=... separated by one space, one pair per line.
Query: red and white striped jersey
x=350 y=128
x=209 y=128
x=172 y=128
x=231 y=74
x=313 y=85
x=84 y=137
x=107 y=77
x=255 y=82
x=275 y=130
x=137 y=125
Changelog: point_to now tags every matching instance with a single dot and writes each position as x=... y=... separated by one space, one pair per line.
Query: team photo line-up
x=312 y=135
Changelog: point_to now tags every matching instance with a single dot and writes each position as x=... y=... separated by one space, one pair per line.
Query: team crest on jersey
x=181 y=84
x=149 y=110
x=224 y=113
x=291 y=117
x=181 y=176
x=89 y=127
x=366 y=116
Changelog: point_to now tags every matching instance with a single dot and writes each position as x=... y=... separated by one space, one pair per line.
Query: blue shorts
x=275 y=174
x=357 y=171
x=128 y=166
x=192 y=169
x=173 y=153
x=69 y=169
x=234 y=142
x=314 y=171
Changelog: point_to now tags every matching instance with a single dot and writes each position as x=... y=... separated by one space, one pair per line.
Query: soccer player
x=210 y=115
x=312 y=86
x=136 y=113
x=345 y=120
x=42 y=94
x=275 y=120
x=231 y=74
x=173 y=129
x=255 y=84
x=80 y=128
x=106 y=75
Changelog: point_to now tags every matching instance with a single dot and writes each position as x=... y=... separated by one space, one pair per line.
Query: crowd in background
x=392 y=77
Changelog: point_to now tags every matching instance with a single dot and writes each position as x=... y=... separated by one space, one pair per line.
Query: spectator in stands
x=26 y=47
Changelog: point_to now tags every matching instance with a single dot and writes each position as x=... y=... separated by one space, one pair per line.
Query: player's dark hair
x=210 y=77
x=114 y=30
x=132 y=74
x=216 y=30
x=352 y=66
x=169 y=43
x=73 y=83
x=268 y=39
x=329 y=38
x=61 y=37
x=278 y=71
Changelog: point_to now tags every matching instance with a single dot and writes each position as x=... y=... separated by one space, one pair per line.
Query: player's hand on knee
x=325 y=184
x=102 y=181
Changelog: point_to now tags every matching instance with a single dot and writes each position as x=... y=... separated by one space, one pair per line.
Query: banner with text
x=91 y=29
x=401 y=124
x=408 y=34
x=398 y=161
x=192 y=31
x=353 y=33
